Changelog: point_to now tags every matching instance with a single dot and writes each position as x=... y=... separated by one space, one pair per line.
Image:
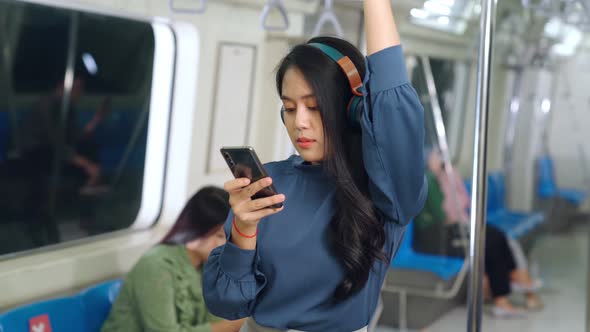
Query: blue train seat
x=97 y=302
x=515 y=224
x=547 y=187
x=84 y=312
x=443 y=267
x=113 y=135
x=64 y=315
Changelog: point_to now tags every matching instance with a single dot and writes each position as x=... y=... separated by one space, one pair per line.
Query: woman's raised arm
x=380 y=26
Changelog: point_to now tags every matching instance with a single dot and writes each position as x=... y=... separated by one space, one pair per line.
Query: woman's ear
x=193 y=244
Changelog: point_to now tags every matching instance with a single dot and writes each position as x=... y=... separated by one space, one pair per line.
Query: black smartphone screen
x=244 y=163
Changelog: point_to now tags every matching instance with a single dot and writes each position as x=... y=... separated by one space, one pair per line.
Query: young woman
x=163 y=290
x=438 y=232
x=318 y=263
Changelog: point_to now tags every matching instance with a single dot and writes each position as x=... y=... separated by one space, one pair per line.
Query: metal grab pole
x=441 y=133
x=478 y=198
x=66 y=101
x=511 y=121
x=439 y=124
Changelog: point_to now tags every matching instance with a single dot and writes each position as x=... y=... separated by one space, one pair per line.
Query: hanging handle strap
x=270 y=5
x=328 y=16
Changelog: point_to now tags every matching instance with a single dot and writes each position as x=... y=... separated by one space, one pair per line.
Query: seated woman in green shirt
x=163 y=291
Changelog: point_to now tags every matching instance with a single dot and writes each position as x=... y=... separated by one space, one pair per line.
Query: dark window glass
x=71 y=158
x=40 y=47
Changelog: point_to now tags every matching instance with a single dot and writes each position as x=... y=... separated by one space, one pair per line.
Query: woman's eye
x=313 y=108
x=288 y=110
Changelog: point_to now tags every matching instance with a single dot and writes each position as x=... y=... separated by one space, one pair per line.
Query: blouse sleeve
x=232 y=279
x=393 y=137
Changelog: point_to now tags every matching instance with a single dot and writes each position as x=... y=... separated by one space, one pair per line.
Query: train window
x=450 y=79
x=45 y=34
x=75 y=96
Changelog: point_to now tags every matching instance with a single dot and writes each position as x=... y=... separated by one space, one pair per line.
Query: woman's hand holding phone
x=247 y=211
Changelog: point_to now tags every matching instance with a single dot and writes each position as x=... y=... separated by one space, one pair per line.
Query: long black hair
x=357 y=235
x=204 y=212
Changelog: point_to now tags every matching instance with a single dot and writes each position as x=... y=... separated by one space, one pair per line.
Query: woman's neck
x=194 y=257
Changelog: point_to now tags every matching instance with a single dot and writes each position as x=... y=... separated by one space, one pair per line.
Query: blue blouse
x=289 y=280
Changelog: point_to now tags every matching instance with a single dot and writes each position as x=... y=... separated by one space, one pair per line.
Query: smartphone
x=244 y=163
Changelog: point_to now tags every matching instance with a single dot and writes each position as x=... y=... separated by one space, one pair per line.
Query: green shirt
x=162 y=293
x=432 y=213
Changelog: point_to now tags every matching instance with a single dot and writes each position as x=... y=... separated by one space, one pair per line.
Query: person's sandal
x=520 y=288
x=533 y=303
x=503 y=313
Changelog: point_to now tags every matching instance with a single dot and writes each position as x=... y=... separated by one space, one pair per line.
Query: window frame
x=163 y=76
x=158 y=130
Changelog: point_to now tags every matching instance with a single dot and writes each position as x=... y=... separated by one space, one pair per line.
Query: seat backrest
x=84 y=312
x=97 y=302
x=114 y=135
x=406 y=245
x=546 y=186
x=496 y=192
x=64 y=315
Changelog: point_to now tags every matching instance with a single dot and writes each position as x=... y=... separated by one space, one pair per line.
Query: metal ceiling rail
x=183 y=10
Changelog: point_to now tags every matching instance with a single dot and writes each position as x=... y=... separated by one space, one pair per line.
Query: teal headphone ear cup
x=355 y=111
x=356 y=104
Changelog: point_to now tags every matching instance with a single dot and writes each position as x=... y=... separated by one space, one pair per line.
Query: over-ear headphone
x=355 y=106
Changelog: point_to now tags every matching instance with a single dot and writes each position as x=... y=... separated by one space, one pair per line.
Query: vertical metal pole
x=439 y=124
x=139 y=126
x=582 y=155
x=478 y=198
x=546 y=112
x=360 y=31
x=511 y=121
x=403 y=311
x=588 y=286
x=7 y=51
x=65 y=109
